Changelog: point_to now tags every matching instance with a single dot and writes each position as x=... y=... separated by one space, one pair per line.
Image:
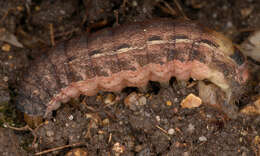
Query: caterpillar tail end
x=53 y=105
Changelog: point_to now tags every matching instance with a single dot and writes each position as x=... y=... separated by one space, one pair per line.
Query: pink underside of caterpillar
x=116 y=82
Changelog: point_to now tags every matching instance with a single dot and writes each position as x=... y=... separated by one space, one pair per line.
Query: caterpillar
x=131 y=55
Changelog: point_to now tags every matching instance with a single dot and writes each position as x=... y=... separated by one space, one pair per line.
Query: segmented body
x=131 y=55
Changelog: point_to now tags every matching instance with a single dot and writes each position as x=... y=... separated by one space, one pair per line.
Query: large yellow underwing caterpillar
x=131 y=55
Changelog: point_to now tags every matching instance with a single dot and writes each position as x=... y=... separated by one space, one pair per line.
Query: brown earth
x=153 y=123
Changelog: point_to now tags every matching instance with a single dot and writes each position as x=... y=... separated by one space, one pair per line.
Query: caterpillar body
x=131 y=55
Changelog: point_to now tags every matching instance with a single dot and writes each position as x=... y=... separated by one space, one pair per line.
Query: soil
x=113 y=124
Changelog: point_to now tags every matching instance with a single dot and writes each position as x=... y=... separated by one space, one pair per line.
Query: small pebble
x=49 y=133
x=171 y=131
x=142 y=100
x=138 y=148
x=6 y=47
x=214 y=15
x=186 y=154
x=37 y=8
x=77 y=152
x=246 y=11
x=202 y=138
x=134 y=3
x=168 y=103
x=118 y=148
x=63 y=12
x=5 y=78
x=134 y=101
x=252 y=109
x=35 y=145
x=110 y=99
x=191 y=128
x=131 y=100
x=158 y=118
x=4 y=125
x=105 y=121
x=243 y=132
x=191 y=101
x=229 y=24
x=20 y=8
x=71 y=117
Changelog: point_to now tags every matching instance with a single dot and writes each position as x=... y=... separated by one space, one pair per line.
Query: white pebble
x=158 y=118
x=71 y=117
x=202 y=138
x=134 y=3
x=171 y=131
x=191 y=128
x=229 y=24
x=49 y=133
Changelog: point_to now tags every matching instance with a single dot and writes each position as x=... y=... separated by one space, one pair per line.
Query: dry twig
x=58 y=148
x=180 y=9
x=164 y=131
x=27 y=128
x=52 y=34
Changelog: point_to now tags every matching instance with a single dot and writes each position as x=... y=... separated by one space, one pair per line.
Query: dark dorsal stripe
x=154 y=38
x=238 y=57
x=179 y=37
x=208 y=42
x=122 y=46
x=94 y=52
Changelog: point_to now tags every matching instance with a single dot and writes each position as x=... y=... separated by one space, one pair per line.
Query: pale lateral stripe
x=120 y=51
x=124 y=50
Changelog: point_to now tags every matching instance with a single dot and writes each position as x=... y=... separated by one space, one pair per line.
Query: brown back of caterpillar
x=131 y=55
